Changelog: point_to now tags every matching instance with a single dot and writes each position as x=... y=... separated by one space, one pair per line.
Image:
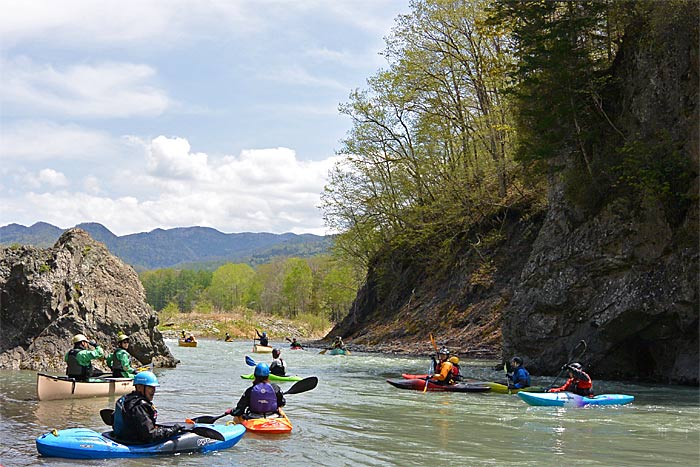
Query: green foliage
x=165 y=286
x=296 y=286
x=44 y=268
x=230 y=286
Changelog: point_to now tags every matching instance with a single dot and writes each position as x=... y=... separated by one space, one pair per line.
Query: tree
x=230 y=286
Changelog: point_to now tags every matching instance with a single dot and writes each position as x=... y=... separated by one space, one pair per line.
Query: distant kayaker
x=120 y=360
x=579 y=382
x=456 y=372
x=294 y=344
x=189 y=338
x=79 y=358
x=260 y=400
x=228 y=338
x=278 y=366
x=135 y=415
x=263 y=338
x=520 y=378
x=443 y=371
x=338 y=343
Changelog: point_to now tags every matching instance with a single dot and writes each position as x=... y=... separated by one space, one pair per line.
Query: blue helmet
x=264 y=334
x=147 y=378
x=262 y=369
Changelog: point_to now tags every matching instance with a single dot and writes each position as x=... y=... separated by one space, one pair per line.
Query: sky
x=150 y=114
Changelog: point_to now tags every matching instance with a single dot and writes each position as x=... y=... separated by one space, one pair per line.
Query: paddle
x=574 y=355
x=298 y=345
x=322 y=352
x=432 y=364
x=505 y=370
x=107 y=416
x=249 y=361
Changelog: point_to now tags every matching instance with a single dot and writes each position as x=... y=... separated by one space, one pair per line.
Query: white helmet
x=79 y=338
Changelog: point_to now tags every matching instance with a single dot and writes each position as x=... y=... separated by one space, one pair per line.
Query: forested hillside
x=523 y=175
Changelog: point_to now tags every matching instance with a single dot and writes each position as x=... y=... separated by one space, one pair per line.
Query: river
x=354 y=418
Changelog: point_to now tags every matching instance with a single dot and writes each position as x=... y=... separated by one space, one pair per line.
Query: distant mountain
x=184 y=246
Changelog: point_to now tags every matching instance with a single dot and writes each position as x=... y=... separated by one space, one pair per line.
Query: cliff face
x=624 y=278
x=49 y=295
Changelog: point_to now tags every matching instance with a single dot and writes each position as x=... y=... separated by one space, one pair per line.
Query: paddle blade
x=249 y=361
x=207 y=432
x=107 y=416
x=208 y=419
x=306 y=384
x=322 y=352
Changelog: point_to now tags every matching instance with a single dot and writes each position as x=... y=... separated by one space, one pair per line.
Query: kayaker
x=456 y=372
x=262 y=337
x=278 y=366
x=79 y=358
x=135 y=415
x=228 y=338
x=295 y=344
x=520 y=378
x=338 y=343
x=120 y=360
x=261 y=399
x=189 y=338
x=579 y=382
x=443 y=371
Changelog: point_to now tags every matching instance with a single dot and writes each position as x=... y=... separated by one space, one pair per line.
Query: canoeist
x=579 y=382
x=120 y=360
x=189 y=338
x=79 y=358
x=520 y=378
x=278 y=366
x=263 y=398
x=135 y=415
x=263 y=338
x=338 y=343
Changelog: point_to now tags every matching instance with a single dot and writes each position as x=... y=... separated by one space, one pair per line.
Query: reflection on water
x=354 y=418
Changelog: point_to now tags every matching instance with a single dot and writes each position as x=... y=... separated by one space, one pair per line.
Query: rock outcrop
x=77 y=286
x=626 y=278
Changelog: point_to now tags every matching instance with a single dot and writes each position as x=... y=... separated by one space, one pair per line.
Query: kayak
x=337 y=352
x=261 y=348
x=499 y=388
x=275 y=424
x=419 y=385
x=569 y=399
x=50 y=387
x=82 y=443
x=275 y=378
x=183 y=343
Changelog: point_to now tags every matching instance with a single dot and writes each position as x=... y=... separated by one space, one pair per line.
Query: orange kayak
x=272 y=425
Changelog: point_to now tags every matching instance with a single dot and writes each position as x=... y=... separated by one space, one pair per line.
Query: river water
x=354 y=418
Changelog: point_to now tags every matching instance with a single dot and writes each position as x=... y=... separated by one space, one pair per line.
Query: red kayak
x=419 y=385
x=410 y=376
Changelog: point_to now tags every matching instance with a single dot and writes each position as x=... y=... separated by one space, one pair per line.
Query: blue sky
x=160 y=114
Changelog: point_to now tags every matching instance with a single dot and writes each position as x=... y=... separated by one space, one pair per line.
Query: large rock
x=49 y=295
x=626 y=278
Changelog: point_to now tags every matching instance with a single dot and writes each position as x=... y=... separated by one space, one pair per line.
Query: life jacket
x=521 y=377
x=263 y=398
x=75 y=369
x=124 y=419
x=455 y=372
x=278 y=367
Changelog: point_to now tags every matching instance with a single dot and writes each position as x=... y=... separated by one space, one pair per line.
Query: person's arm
x=146 y=429
x=579 y=375
x=109 y=361
x=242 y=405
x=562 y=388
x=84 y=357
x=281 y=402
x=445 y=370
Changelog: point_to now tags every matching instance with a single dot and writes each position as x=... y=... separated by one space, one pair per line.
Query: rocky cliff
x=623 y=277
x=77 y=286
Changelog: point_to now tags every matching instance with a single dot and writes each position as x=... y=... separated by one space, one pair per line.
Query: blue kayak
x=569 y=399
x=82 y=443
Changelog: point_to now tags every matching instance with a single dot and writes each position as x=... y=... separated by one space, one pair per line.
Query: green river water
x=354 y=418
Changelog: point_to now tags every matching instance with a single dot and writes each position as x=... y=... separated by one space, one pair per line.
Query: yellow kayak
x=503 y=389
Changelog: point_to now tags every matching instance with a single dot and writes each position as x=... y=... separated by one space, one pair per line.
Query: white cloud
x=267 y=190
x=107 y=89
x=41 y=140
x=52 y=178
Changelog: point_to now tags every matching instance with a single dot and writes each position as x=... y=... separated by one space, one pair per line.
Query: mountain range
x=182 y=247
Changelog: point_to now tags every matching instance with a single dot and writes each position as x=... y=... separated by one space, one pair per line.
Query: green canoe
x=275 y=378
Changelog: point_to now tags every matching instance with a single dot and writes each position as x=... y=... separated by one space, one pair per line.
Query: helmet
x=264 y=334
x=147 y=378
x=122 y=337
x=262 y=369
x=275 y=353
x=517 y=360
x=575 y=365
x=80 y=338
x=454 y=360
x=444 y=351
